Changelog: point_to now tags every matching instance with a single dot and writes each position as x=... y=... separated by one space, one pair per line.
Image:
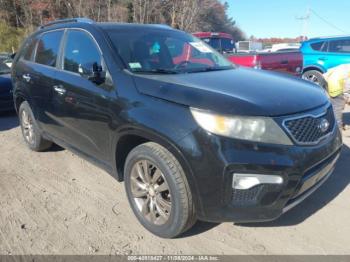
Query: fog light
x=247 y=181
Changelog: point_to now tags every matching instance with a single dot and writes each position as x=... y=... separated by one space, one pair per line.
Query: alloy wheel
x=312 y=78
x=28 y=127
x=150 y=192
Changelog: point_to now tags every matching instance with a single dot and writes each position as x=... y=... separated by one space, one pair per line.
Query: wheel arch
x=19 y=98
x=314 y=67
x=132 y=137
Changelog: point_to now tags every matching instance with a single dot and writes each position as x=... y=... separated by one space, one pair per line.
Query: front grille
x=309 y=129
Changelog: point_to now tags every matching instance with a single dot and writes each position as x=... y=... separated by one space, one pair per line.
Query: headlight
x=259 y=129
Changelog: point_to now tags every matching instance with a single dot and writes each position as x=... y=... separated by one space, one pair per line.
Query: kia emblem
x=324 y=125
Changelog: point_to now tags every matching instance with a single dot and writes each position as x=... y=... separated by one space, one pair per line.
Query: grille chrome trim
x=315 y=116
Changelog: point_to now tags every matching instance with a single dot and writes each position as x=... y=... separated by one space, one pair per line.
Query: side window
x=81 y=54
x=227 y=45
x=48 y=48
x=28 y=51
x=319 y=46
x=339 y=46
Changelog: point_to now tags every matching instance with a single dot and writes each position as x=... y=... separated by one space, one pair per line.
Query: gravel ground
x=57 y=203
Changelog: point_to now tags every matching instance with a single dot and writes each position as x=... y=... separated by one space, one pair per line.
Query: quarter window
x=340 y=46
x=81 y=53
x=48 y=48
x=29 y=50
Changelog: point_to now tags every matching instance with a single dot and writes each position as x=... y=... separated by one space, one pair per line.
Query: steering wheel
x=182 y=63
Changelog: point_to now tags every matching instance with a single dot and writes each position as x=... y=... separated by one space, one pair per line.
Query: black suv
x=192 y=136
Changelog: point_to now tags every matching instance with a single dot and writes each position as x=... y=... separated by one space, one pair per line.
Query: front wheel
x=158 y=191
x=315 y=77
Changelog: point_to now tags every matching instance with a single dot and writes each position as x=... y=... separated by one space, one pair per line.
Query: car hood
x=239 y=91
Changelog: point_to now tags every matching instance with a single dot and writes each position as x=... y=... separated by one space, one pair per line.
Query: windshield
x=5 y=66
x=165 y=51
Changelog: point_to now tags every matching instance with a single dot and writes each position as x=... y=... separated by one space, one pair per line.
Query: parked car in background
x=290 y=62
x=192 y=135
x=321 y=54
x=222 y=42
x=283 y=47
x=6 y=97
x=286 y=62
x=248 y=46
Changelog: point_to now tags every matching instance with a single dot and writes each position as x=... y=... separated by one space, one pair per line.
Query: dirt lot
x=57 y=203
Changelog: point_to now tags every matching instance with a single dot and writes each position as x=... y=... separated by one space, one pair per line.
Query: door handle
x=323 y=58
x=26 y=77
x=59 y=89
x=284 y=62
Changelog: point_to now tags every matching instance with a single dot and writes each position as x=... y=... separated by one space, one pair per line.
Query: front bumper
x=215 y=159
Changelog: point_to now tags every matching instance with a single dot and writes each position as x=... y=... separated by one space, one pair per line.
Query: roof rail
x=68 y=20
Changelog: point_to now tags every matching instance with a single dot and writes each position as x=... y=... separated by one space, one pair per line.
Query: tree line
x=21 y=17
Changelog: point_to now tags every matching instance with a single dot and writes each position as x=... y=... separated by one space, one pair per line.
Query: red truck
x=290 y=62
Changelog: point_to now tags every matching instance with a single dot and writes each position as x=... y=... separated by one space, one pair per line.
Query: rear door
x=79 y=105
x=338 y=53
x=43 y=69
x=285 y=62
x=35 y=69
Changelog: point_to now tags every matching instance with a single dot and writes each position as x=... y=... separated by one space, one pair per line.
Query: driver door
x=80 y=104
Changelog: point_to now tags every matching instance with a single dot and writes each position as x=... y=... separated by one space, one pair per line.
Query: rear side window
x=81 y=53
x=340 y=46
x=48 y=48
x=319 y=46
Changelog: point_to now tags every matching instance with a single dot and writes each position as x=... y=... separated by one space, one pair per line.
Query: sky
x=278 y=18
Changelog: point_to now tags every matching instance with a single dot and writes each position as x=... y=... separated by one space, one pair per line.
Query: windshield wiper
x=157 y=71
x=208 y=69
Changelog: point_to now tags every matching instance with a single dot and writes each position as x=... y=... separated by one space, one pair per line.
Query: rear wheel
x=30 y=131
x=316 y=77
x=158 y=191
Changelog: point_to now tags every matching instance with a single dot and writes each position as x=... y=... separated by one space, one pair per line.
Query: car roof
x=86 y=23
x=328 y=38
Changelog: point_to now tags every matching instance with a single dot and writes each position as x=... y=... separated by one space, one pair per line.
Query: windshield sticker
x=201 y=47
x=135 y=65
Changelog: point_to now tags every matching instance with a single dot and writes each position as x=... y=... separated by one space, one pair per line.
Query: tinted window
x=319 y=46
x=81 y=53
x=48 y=48
x=340 y=46
x=29 y=49
x=213 y=42
x=227 y=45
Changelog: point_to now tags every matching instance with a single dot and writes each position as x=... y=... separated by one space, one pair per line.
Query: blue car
x=321 y=54
x=6 y=98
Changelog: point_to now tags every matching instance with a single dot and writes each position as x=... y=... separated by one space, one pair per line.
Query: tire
x=316 y=77
x=164 y=170
x=30 y=130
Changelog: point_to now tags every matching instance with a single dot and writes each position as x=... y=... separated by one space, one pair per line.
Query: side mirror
x=96 y=74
